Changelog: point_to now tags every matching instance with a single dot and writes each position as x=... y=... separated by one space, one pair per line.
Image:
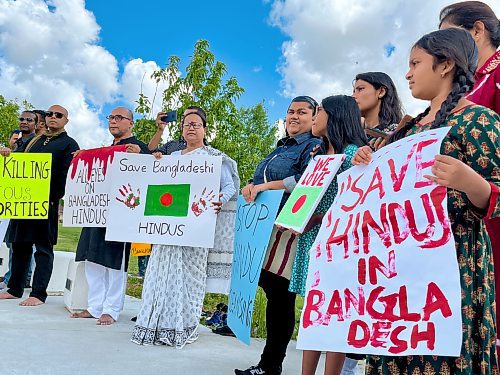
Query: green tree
x=248 y=139
x=9 y=113
x=243 y=133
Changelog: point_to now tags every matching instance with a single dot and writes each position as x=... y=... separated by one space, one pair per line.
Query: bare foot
x=31 y=301
x=105 y=320
x=82 y=314
x=6 y=295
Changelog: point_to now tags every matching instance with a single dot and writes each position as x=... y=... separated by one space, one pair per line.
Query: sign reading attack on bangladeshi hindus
x=164 y=201
x=311 y=187
x=25 y=186
x=87 y=187
x=253 y=228
x=383 y=275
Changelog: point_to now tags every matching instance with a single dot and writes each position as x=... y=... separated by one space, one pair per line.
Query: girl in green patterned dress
x=442 y=66
x=338 y=122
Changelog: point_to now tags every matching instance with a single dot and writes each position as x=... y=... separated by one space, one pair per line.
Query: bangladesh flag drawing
x=167 y=200
x=299 y=207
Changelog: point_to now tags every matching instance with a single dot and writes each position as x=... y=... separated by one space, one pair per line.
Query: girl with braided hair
x=482 y=23
x=442 y=65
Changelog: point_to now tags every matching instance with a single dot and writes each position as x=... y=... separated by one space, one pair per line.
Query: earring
x=442 y=75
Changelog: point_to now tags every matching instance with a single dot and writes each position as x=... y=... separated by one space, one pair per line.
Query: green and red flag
x=167 y=200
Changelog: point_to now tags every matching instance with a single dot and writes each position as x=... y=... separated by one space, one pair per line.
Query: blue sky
x=90 y=56
x=239 y=33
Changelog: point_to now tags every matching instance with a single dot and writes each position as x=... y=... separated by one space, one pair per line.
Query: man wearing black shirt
x=42 y=233
x=107 y=261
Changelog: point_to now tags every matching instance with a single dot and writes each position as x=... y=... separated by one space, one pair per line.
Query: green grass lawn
x=68 y=240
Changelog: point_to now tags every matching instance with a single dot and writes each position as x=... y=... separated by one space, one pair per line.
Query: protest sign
x=140 y=249
x=163 y=201
x=25 y=186
x=383 y=274
x=311 y=187
x=254 y=224
x=87 y=187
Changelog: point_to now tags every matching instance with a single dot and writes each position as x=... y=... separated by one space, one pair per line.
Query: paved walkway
x=44 y=340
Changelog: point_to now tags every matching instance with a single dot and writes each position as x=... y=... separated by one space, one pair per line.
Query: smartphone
x=376 y=133
x=169 y=117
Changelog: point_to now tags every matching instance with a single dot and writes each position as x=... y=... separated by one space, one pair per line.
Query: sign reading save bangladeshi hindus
x=254 y=224
x=383 y=275
x=311 y=187
x=25 y=186
x=164 y=201
x=87 y=187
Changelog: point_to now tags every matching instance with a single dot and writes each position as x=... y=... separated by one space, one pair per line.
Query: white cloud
x=50 y=57
x=136 y=78
x=330 y=41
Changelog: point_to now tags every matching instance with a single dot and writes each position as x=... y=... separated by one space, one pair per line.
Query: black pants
x=280 y=320
x=21 y=258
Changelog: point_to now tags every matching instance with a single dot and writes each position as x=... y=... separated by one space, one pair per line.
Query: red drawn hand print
x=128 y=198
x=201 y=204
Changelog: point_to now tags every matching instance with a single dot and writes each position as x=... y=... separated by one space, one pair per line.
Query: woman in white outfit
x=176 y=278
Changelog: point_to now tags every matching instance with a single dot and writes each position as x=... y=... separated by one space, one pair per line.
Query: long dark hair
x=391 y=111
x=344 y=122
x=466 y=13
x=455 y=45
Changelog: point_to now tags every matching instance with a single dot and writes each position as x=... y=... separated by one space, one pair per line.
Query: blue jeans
x=142 y=264
x=9 y=271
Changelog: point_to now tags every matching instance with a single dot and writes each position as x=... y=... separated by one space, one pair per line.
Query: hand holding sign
x=455 y=174
x=362 y=156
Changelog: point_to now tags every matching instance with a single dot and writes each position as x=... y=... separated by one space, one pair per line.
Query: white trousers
x=106 y=289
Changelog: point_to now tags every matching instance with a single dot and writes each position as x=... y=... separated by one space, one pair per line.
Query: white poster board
x=166 y=201
x=87 y=186
x=383 y=275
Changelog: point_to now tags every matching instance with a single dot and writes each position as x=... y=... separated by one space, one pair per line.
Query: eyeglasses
x=58 y=115
x=117 y=118
x=26 y=119
x=193 y=125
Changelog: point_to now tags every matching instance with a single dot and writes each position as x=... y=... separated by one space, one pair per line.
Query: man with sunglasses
x=27 y=125
x=107 y=261
x=42 y=233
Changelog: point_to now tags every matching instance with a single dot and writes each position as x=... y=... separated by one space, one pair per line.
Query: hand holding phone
x=163 y=118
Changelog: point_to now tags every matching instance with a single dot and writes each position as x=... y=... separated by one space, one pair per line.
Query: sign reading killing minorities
x=25 y=186
x=383 y=275
x=254 y=224
x=311 y=187
x=87 y=187
x=164 y=201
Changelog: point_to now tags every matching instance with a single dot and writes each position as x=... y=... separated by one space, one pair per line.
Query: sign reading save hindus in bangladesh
x=87 y=187
x=311 y=187
x=164 y=201
x=25 y=186
x=383 y=274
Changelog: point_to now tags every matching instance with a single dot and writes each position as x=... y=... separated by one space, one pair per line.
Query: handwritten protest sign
x=140 y=249
x=25 y=186
x=383 y=274
x=87 y=187
x=254 y=224
x=311 y=187
x=166 y=201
